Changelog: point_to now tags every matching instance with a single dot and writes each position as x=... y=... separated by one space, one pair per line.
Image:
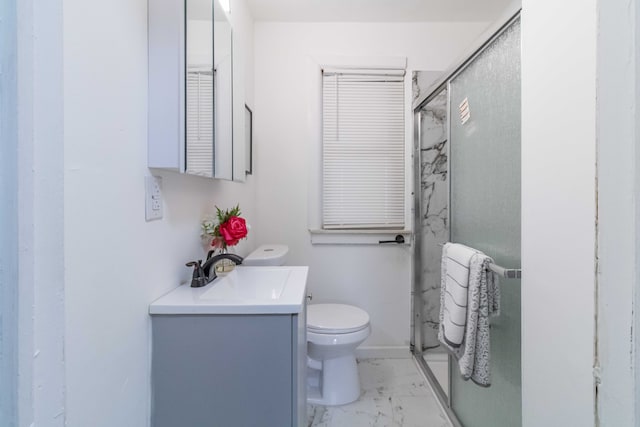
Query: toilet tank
x=267 y=255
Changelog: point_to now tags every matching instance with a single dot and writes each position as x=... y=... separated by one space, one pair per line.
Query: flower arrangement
x=227 y=229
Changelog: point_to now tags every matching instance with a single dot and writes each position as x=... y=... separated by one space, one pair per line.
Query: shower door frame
x=511 y=15
x=443 y=399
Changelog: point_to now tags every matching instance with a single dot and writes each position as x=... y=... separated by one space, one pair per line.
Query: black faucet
x=199 y=279
x=208 y=269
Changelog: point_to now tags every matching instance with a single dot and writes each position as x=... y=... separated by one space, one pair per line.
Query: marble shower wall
x=434 y=215
x=422 y=84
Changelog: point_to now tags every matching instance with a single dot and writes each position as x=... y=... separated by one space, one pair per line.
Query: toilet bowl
x=334 y=331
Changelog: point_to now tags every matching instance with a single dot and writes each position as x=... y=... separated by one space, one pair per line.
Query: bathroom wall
x=375 y=278
x=40 y=257
x=558 y=211
x=116 y=263
x=8 y=216
x=618 y=213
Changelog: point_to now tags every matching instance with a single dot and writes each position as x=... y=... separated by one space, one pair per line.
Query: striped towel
x=454 y=292
x=469 y=295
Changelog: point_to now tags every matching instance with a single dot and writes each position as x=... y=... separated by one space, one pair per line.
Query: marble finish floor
x=394 y=394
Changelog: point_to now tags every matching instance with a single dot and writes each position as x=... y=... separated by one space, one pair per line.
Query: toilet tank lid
x=336 y=318
x=267 y=252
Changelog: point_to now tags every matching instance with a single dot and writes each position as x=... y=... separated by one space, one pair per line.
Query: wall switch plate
x=153 y=197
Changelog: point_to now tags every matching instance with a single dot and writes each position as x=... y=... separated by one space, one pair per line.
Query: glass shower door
x=485 y=214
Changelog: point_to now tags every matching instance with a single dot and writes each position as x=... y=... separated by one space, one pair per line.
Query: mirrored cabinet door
x=208 y=93
x=223 y=76
x=199 y=89
x=166 y=120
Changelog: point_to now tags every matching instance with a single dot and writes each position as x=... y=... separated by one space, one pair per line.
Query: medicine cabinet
x=193 y=77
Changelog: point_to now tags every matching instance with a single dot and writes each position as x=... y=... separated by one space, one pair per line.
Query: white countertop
x=246 y=290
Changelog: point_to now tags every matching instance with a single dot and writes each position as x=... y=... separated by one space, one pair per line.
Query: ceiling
x=377 y=10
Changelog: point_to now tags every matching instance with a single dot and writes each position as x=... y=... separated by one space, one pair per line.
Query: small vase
x=224 y=266
x=205 y=241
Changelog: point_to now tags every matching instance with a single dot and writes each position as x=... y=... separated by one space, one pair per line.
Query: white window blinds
x=199 y=120
x=363 y=170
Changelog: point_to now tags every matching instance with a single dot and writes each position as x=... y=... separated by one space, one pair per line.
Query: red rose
x=234 y=229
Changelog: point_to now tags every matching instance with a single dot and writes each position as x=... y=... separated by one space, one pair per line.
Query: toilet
x=267 y=255
x=334 y=331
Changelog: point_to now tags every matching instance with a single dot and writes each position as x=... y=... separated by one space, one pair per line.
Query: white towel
x=454 y=292
x=482 y=300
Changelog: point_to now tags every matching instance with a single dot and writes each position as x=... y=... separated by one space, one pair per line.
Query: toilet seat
x=332 y=340
x=336 y=319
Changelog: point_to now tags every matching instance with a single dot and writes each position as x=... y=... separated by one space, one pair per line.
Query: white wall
x=115 y=262
x=558 y=211
x=8 y=216
x=617 y=211
x=636 y=178
x=375 y=278
x=41 y=390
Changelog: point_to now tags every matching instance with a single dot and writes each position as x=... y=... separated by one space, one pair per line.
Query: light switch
x=153 y=197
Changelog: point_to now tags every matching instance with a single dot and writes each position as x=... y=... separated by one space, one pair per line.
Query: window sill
x=358 y=237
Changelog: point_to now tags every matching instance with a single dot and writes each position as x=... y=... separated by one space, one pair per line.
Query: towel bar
x=507 y=273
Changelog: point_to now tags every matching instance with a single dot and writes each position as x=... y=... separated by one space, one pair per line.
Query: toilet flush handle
x=309 y=296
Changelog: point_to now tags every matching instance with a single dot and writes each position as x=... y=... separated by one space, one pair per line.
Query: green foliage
x=223 y=216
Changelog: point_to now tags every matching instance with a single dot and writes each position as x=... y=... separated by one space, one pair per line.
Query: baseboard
x=383 y=352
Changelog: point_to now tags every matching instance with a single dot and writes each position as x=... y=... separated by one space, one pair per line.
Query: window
x=363 y=150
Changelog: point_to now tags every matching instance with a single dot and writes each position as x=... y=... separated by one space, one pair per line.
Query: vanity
x=232 y=353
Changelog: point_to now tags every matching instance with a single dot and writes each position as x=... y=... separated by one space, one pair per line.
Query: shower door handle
x=399 y=240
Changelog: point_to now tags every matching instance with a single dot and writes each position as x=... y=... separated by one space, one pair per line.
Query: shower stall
x=467 y=190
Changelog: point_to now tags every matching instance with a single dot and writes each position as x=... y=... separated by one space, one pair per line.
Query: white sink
x=263 y=283
x=246 y=290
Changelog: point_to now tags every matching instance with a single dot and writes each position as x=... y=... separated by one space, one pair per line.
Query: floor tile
x=416 y=411
x=394 y=394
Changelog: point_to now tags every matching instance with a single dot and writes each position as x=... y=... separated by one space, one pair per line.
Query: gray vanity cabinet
x=229 y=370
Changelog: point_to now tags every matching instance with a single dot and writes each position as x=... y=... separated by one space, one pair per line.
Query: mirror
x=223 y=72
x=208 y=90
x=239 y=99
